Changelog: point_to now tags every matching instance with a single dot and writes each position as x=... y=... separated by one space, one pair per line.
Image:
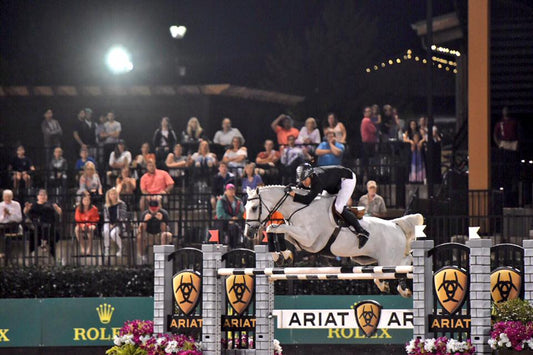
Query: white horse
x=310 y=228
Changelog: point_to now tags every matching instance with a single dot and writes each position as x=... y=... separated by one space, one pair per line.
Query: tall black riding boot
x=351 y=218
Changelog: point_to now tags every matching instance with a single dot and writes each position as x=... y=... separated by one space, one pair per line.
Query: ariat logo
x=239 y=291
x=105 y=312
x=505 y=284
x=451 y=286
x=367 y=315
x=186 y=286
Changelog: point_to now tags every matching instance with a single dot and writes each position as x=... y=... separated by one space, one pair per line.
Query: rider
x=335 y=180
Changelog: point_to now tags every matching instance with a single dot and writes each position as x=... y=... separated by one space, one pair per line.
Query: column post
x=264 y=303
x=162 y=286
x=422 y=286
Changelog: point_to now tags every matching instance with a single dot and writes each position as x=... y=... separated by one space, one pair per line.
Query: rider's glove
x=288 y=189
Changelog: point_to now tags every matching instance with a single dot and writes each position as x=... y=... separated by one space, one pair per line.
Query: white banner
x=339 y=318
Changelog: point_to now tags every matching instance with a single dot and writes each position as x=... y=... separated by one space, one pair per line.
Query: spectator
x=84 y=158
x=111 y=133
x=86 y=217
x=154 y=182
x=267 y=163
x=58 y=169
x=52 y=131
x=225 y=136
x=203 y=158
x=115 y=217
x=85 y=129
x=409 y=133
x=309 y=135
x=90 y=181
x=283 y=127
x=291 y=157
x=230 y=209
x=372 y=202
x=337 y=127
x=194 y=132
x=21 y=166
x=164 y=139
x=118 y=159
x=376 y=115
x=139 y=164
x=436 y=157
x=124 y=183
x=398 y=125
x=331 y=151
x=423 y=127
x=154 y=222
x=10 y=218
x=250 y=179
x=506 y=132
x=418 y=166
x=236 y=155
x=44 y=216
x=100 y=139
x=221 y=179
x=176 y=163
x=388 y=123
x=369 y=135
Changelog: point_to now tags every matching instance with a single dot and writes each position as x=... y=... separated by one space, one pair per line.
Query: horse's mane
x=272 y=187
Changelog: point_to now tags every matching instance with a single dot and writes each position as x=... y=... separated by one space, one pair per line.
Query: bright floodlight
x=118 y=60
x=178 y=32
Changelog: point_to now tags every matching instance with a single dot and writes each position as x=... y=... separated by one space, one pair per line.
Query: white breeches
x=346 y=191
x=114 y=233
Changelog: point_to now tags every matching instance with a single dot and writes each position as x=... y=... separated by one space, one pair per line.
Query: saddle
x=339 y=220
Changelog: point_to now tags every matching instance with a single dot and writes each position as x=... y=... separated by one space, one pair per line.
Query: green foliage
x=513 y=310
x=33 y=282
x=126 y=350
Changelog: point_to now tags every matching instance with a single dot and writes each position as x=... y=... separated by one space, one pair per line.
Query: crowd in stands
x=108 y=174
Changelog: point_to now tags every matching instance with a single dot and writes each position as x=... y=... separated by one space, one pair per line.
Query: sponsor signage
x=343 y=319
x=451 y=287
x=68 y=321
x=187 y=289
x=239 y=295
x=505 y=284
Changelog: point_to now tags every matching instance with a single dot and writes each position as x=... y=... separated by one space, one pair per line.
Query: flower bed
x=439 y=346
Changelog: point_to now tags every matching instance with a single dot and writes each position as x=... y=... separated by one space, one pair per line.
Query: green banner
x=68 y=321
x=332 y=320
x=94 y=321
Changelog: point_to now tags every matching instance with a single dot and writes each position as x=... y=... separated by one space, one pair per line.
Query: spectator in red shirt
x=267 y=163
x=86 y=218
x=369 y=136
x=283 y=128
x=154 y=182
x=506 y=132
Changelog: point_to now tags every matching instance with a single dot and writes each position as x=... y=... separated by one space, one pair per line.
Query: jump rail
x=374 y=271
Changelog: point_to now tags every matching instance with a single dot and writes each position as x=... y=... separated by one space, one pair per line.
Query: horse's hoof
x=407 y=293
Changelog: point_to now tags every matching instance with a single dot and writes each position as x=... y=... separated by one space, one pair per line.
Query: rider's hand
x=287 y=189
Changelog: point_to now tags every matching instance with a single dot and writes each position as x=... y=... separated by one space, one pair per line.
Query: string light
x=446 y=50
x=437 y=62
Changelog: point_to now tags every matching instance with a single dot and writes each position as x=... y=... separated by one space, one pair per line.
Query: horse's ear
x=249 y=191
x=257 y=190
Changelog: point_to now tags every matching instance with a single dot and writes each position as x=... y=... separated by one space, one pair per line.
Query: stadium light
x=178 y=32
x=118 y=60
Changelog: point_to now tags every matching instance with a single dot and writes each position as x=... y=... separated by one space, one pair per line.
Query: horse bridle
x=270 y=211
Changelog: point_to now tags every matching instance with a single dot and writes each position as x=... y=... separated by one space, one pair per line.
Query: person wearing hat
x=336 y=180
x=372 y=202
x=229 y=210
x=154 y=222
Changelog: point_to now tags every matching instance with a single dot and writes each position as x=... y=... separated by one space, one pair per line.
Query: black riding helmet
x=303 y=172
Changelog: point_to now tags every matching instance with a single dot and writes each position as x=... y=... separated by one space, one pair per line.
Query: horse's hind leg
x=403 y=288
x=382 y=285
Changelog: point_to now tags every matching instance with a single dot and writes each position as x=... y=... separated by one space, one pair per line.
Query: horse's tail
x=407 y=225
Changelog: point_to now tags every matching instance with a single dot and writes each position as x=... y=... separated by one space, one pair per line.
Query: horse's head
x=252 y=212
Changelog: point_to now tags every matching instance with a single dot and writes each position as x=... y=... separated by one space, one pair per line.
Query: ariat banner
x=451 y=287
x=505 y=284
x=239 y=292
x=367 y=315
x=187 y=290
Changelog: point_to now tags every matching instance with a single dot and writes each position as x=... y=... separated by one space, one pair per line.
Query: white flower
x=529 y=343
x=172 y=347
x=117 y=340
x=277 y=347
x=410 y=347
x=160 y=341
x=429 y=345
x=128 y=339
x=144 y=338
x=492 y=343
x=454 y=346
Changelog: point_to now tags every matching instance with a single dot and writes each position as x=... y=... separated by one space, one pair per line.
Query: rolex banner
x=359 y=319
x=68 y=321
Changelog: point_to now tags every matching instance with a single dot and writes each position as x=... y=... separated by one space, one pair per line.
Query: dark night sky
x=56 y=42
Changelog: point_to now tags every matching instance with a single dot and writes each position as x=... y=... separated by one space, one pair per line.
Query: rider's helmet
x=303 y=172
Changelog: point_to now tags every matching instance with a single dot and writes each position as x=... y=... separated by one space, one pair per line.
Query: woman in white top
x=236 y=156
x=309 y=134
x=337 y=127
x=118 y=159
x=203 y=158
